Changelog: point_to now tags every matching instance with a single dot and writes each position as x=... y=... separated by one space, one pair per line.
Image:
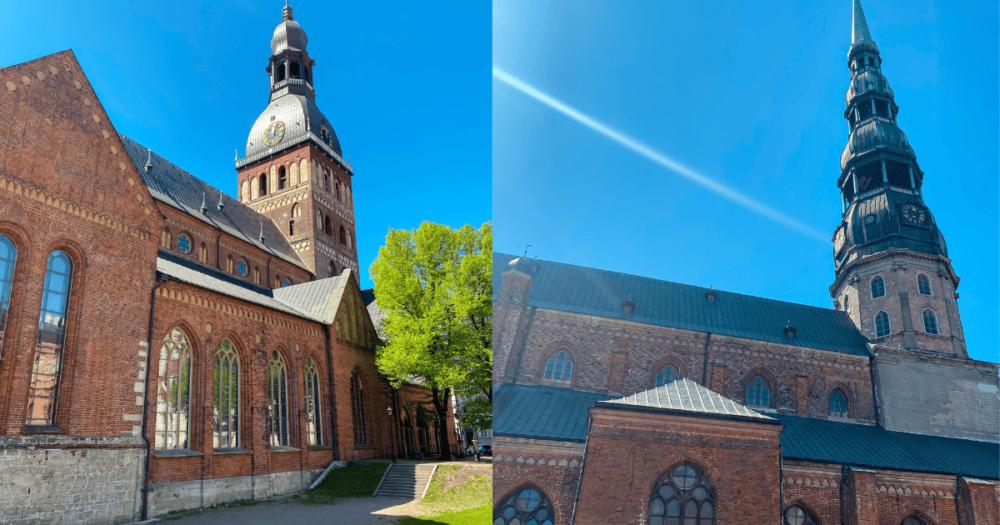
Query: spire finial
x=286 y=13
x=262 y=232
x=220 y=204
x=204 y=206
x=859 y=30
x=149 y=160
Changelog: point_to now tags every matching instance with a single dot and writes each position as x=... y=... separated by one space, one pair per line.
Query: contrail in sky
x=657 y=157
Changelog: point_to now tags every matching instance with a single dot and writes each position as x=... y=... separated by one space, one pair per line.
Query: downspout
x=583 y=465
x=268 y=282
x=161 y=278
x=958 y=506
x=704 y=372
x=333 y=411
x=524 y=342
x=843 y=479
x=218 y=254
x=781 y=484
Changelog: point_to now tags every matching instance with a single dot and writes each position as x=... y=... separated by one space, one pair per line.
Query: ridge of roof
x=685 y=395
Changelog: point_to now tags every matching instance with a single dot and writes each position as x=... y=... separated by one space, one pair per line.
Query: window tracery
x=8 y=257
x=667 y=374
x=277 y=388
x=49 y=350
x=358 y=410
x=759 y=392
x=173 y=393
x=528 y=505
x=799 y=516
x=559 y=367
x=838 y=403
x=682 y=496
x=226 y=397
x=314 y=428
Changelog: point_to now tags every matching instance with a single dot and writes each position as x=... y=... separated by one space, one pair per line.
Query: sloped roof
x=684 y=395
x=542 y=412
x=215 y=280
x=827 y=441
x=170 y=184
x=590 y=291
x=318 y=298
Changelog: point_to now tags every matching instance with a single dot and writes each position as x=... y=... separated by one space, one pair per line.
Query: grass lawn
x=457 y=495
x=473 y=516
x=352 y=481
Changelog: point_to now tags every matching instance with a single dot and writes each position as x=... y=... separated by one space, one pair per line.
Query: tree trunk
x=441 y=409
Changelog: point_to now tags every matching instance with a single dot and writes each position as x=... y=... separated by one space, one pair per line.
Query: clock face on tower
x=914 y=214
x=274 y=133
x=838 y=240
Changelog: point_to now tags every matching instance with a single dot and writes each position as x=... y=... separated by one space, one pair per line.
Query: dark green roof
x=826 y=441
x=589 y=291
x=542 y=412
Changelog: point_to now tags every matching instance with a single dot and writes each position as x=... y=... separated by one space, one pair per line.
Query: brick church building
x=164 y=346
x=638 y=401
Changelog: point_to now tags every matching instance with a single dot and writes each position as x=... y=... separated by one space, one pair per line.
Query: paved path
x=353 y=511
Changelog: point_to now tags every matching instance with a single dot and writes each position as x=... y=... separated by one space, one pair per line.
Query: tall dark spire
x=859 y=31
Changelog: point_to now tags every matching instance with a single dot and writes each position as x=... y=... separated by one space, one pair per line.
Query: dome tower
x=893 y=275
x=293 y=170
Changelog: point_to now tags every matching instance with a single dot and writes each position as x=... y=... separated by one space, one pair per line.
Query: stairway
x=406 y=480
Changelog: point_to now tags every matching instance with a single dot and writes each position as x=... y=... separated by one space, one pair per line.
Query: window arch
x=203 y=253
x=343 y=235
x=913 y=520
x=279 y=74
x=683 y=495
x=878 y=286
x=882 y=327
x=326 y=180
x=282 y=178
x=358 y=410
x=336 y=186
x=797 y=515
x=303 y=171
x=165 y=239
x=262 y=185
x=226 y=397
x=838 y=403
x=559 y=367
x=296 y=210
x=8 y=256
x=229 y=263
x=930 y=322
x=759 y=392
x=924 y=285
x=667 y=374
x=50 y=347
x=525 y=505
x=256 y=275
x=173 y=393
x=294 y=73
x=277 y=389
x=327 y=226
x=314 y=427
x=847 y=304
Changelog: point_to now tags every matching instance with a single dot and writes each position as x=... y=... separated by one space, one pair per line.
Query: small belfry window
x=314 y=429
x=277 y=389
x=8 y=256
x=913 y=520
x=226 y=397
x=282 y=178
x=45 y=377
x=759 y=392
x=838 y=403
x=559 y=367
x=882 y=327
x=358 y=410
x=527 y=505
x=343 y=235
x=799 y=516
x=294 y=73
x=173 y=393
x=683 y=496
x=667 y=374
x=923 y=285
x=262 y=185
x=327 y=226
x=279 y=73
x=878 y=287
x=930 y=322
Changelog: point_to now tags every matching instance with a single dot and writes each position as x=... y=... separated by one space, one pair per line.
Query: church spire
x=859 y=30
x=286 y=13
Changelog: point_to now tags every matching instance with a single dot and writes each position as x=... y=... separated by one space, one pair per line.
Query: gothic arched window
x=314 y=428
x=878 y=287
x=799 y=516
x=913 y=520
x=327 y=226
x=262 y=184
x=667 y=374
x=882 y=327
x=923 y=285
x=682 y=496
x=358 y=410
x=759 y=392
x=559 y=367
x=45 y=377
x=277 y=389
x=527 y=505
x=838 y=403
x=226 y=397
x=282 y=178
x=173 y=393
x=930 y=322
x=8 y=256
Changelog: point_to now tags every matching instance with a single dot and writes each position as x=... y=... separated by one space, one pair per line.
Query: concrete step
x=408 y=481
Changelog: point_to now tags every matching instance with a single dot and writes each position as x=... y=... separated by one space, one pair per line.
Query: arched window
x=286 y=283
x=358 y=410
x=930 y=322
x=336 y=186
x=8 y=256
x=226 y=397
x=326 y=180
x=44 y=394
x=923 y=285
x=683 y=496
x=882 y=327
x=173 y=393
x=913 y=520
x=296 y=210
x=526 y=505
x=667 y=374
x=343 y=235
x=838 y=403
x=314 y=427
x=291 y=228
x=327 y=226
x=878 y=287
x=277 y=389
x=759 y=392
x=262 y=184
x=279 y=74
x=295 y=71
x=165 y=240
x=203 y=253
x=229 y=263
x=303 y=171
x=559 y=367
x=282 y=178
x=256 y=275
x=350 y=240
x=799 y=516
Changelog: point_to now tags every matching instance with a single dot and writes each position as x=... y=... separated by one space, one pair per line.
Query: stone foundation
x=186 y=495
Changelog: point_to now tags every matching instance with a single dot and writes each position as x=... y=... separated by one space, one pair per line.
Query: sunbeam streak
x=657 y=157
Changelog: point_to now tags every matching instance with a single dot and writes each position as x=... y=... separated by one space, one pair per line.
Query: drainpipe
x=843 y=479
x=781 y=484
x=958 y=501
x=704 y=372
x=333 y=411
x=161 y=278
x=871 y=368
x=218 y=254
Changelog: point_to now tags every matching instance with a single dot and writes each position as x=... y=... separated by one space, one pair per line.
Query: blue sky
x=406 y=86
x=750 y=95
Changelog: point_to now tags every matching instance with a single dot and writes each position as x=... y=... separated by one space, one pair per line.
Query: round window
x=184 y=242
x=242 y=267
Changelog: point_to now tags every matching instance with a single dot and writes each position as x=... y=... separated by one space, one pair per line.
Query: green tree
x=435 y=288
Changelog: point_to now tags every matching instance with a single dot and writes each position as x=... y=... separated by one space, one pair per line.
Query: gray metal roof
x=301 y=117
x=170 y=184
x=867 y=446
x=319 y=298
x=589 y=291
x=214 y=280
x=542 y=412
x=687 y=396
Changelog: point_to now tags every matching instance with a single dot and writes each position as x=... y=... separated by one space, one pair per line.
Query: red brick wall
x=978 y=500
x=550 y=466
